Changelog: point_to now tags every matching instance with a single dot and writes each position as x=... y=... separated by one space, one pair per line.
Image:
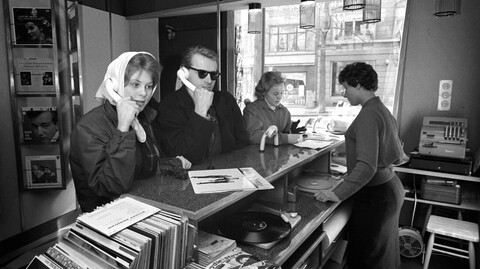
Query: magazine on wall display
x=40 y=125
x=43 y=171
x=32 y=26
x=34 y=75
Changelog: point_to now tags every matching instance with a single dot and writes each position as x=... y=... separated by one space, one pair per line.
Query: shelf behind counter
x=470 y=188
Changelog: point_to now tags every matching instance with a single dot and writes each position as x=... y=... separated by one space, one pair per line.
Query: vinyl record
x=255 y=227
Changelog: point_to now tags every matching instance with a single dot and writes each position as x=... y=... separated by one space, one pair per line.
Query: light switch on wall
x=444 y=95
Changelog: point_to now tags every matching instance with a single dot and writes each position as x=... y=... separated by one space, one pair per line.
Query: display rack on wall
x=44 y=91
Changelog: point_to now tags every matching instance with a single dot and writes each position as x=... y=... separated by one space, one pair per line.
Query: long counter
x=278 y=165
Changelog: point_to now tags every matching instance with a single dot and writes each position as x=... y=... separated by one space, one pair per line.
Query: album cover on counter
x=224 y=180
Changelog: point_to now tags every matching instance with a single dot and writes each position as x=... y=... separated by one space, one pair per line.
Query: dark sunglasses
x=203 y=73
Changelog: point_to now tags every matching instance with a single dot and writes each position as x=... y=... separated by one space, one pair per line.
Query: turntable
x=312 y=182
x=255 y=227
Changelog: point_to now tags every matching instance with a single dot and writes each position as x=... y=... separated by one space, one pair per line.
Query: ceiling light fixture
x=372 y=12
x=307 y=14
x=255 y=18
x=445 y=8
x=353 y=4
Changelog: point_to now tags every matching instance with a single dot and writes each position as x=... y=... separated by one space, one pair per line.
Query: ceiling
x=147 y=9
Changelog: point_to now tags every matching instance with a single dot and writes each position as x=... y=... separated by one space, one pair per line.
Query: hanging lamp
x=307 y=14
x=445 y=8
x=353 y=4
x=372 y=12
x=254 y=18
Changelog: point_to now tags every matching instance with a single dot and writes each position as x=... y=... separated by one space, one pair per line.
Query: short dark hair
x=267 y=81
x=34 y=114
x=359 y=73
x=143 y=61
x=200 y=50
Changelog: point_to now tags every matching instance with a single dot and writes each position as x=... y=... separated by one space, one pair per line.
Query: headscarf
x=116 y=72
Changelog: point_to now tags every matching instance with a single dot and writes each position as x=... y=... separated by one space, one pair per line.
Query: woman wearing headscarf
x=114 y=143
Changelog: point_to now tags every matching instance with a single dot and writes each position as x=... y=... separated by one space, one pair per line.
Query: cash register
x=442 y=146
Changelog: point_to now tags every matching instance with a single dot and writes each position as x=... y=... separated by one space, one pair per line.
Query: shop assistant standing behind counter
x=372 y=146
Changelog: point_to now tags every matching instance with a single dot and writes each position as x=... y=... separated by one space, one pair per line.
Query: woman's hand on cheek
x=127 y=110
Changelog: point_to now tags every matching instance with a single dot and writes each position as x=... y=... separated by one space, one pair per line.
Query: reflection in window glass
x=312 y=59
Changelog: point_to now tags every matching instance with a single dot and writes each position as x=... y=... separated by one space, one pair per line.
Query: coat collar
x=263 y=104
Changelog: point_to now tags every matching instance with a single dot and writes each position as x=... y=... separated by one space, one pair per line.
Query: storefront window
x=311 y=59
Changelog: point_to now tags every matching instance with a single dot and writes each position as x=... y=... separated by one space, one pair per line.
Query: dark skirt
x=373 y=231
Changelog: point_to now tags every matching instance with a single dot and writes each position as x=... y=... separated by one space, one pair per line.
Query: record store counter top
x=168 y=192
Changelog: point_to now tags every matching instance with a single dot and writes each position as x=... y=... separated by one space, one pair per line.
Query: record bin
x=441 y=190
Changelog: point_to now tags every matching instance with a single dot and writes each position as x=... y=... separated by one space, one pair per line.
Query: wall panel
x=437 y=49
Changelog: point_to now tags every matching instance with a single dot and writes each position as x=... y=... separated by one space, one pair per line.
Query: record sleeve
x=40 y=124
x=117 y=215
x=105 y=243
x=61 y=258
x=104 y=255
x=43 y=171
x=156 y=240
x=32 y=26
x=34 y=75
x=224 y=180
x=141 y=242
x=81 y=256
x=237 y=258
x=43 y=262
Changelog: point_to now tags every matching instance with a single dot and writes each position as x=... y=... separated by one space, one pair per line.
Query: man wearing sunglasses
x=195 y=121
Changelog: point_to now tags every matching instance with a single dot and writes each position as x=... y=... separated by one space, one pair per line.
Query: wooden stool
x=458 y=229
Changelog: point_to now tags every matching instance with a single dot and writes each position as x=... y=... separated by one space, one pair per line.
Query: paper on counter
x=232 y=179
x=313 y=144
x=255 y=178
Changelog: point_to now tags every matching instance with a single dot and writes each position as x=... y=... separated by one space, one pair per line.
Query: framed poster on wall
x=32 y=26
